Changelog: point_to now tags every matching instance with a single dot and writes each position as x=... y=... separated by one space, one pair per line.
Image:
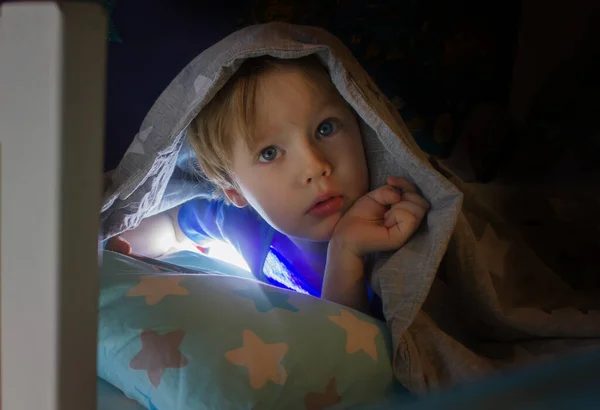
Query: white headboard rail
x=52 y=96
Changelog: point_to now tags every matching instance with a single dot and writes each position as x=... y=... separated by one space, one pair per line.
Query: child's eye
x=268 y=154
x=327 y=128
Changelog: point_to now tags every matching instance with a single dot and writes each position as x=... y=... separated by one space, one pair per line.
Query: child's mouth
x=327 y=207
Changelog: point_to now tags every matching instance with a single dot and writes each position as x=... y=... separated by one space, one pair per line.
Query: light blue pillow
x=109 y=397
x=224 y=342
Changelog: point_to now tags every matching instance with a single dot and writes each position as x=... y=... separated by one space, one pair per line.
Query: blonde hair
x=232 y=114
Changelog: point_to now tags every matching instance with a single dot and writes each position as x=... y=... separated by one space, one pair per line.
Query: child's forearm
x=344 y=281
x=156 y=235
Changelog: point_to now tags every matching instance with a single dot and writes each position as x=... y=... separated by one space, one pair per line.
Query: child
x=286 y=151
x=280 y=143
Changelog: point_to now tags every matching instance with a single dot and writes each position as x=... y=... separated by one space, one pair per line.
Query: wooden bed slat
x=52 y=86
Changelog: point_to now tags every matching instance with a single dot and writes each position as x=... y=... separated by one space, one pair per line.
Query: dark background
x=502 y=80
x=438 y=57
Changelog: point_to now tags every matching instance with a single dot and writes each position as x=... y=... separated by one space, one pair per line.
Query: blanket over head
x=463 y=297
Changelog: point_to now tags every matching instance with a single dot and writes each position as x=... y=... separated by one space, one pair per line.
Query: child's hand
x=383 y=219
x=119 y=245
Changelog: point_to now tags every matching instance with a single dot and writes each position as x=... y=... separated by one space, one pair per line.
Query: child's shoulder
x=218 y=218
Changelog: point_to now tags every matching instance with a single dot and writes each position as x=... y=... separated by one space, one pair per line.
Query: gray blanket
x=465 y=296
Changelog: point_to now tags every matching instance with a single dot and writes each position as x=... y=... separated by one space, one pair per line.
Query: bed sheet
x=557 y=220
x=568 y=383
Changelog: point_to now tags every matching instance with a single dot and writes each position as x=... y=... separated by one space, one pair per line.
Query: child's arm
x=155 y=236
x=381 y=220
x=196 y=222
x=344 y=281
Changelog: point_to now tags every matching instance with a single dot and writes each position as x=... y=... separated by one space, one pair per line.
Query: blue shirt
x=271 y=256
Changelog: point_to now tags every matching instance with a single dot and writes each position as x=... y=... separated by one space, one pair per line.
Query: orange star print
x=360 y=335
x=262 y=360
x=155 y=288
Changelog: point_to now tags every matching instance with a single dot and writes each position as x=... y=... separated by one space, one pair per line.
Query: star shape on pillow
x=155 y=288
x=265 y=300
x=159 y=352
x=320 y=401
x=262 y=360
x=494 y=250
x=360 y=334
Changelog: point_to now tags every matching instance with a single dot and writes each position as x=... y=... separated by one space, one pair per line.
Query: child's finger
x=401 y=183
x=414 y=209
x=402 y=224
x=385 y=195
x=391 y=218
x=416 y=199
x=119 y=245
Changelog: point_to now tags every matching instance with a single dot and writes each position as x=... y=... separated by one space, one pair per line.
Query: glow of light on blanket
x=227 y=253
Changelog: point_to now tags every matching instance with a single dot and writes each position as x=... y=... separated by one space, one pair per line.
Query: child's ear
x=235 y=197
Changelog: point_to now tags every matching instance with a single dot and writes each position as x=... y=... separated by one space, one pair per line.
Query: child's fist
x=383 y=219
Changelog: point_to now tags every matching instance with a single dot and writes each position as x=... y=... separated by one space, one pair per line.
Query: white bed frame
x=52 y=86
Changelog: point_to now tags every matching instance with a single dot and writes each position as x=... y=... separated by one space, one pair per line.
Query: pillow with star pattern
x=211 y=341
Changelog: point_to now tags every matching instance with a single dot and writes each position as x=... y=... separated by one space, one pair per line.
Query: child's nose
x=315 y=166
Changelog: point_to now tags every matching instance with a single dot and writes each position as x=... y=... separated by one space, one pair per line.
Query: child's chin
x=321 y=237
x=324 y=231
x=315 y=231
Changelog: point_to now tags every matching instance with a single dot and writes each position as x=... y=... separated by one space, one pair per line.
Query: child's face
x=308 y=149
